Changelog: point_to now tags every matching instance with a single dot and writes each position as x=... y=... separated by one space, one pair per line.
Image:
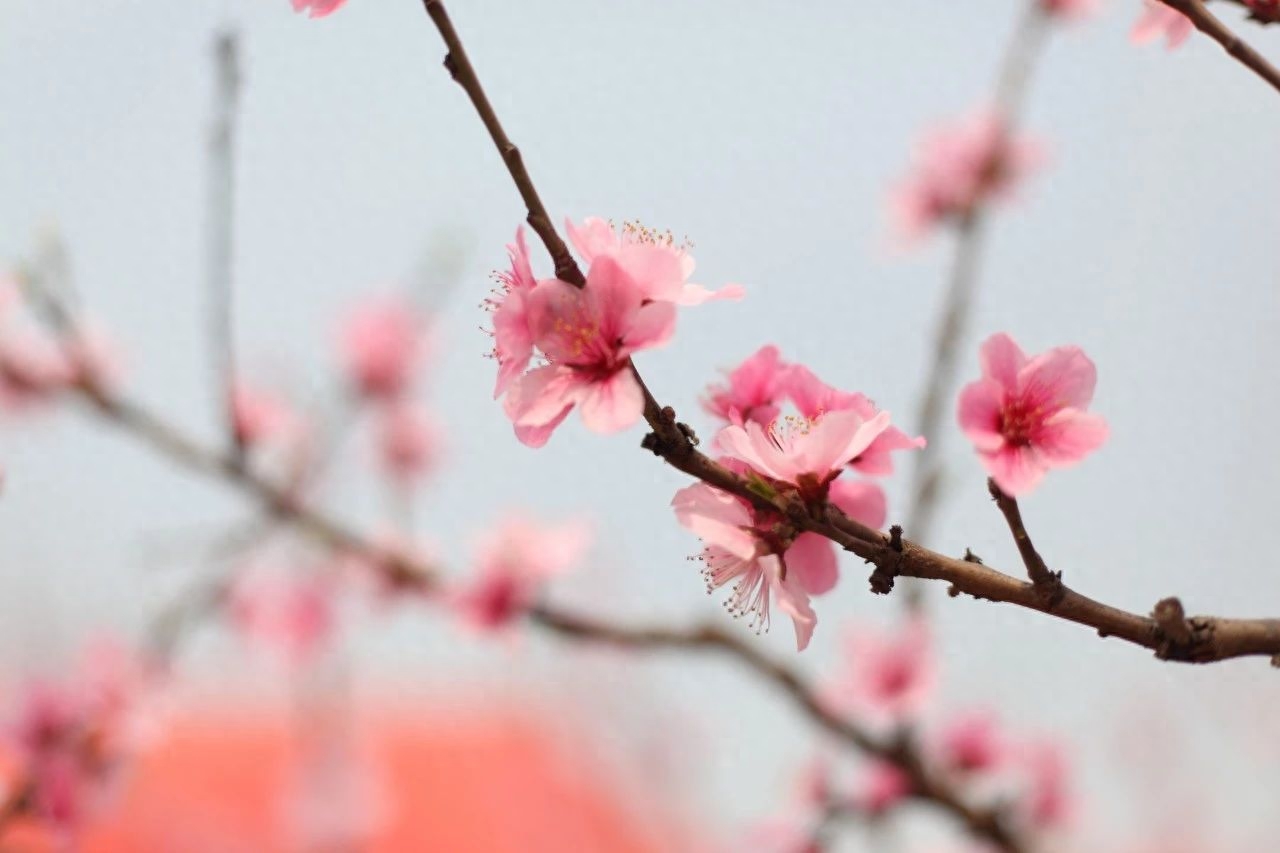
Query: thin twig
x=1048 y=582
x=221 y=249
x=1235 y=47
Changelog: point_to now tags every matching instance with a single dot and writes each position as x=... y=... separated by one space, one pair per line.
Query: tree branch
x=1049 y=583
x=1236 y=48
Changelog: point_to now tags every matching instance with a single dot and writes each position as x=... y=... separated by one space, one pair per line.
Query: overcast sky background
x=770 y=138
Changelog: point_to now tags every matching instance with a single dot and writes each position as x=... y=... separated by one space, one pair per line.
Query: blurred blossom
x=381 y=343
x=317 y=8
x=971 y=743
x=288 y=610
x=408 y=442
x=1047 y=802
x=1070 y=10
x=958 y=168
x=512 y=564
x=259 y=416
x=1158 y=20
x=880 y=787
x=886 y=675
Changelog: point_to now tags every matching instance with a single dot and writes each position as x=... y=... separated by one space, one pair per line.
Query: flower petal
x=1001 y=359
x=811 y=559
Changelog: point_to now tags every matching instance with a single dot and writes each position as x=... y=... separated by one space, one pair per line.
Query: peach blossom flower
x=889 y=675
x=753 y=392
x=1027 y=415
x=381 y=342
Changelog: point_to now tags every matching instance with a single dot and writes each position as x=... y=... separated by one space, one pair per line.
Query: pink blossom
x=288 y=612
x=588 y=336
x=957 y=169
x=888 y=675
x=512 y=564
x=1160 y=20
x=33 y=369
x=881 y=787
x=743 y=545
x=813 y=398
x=807 y=453
x=753 y=392
x=408 y=442
x=971 y=743
x=650 y=257
x=512 y=336
x=70 y=736
x=317 y=8
x=1047 y=801
x=259 y=416
x=381 y=342
x=1069 y=10
x=1027 y=415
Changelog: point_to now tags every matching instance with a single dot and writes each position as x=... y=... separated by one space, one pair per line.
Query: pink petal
x=1001 y=359
x=793 y=600
x=861 y=500
x=1016 y=470
x=594 y=237
x=811 y=559
x=979 y=414
x=543 y=395
x=696 y=294
x=651 y=327
x=613 y=404
x=717 y=518
x=876 y=460
x=1061 y=377
x=1070 y=435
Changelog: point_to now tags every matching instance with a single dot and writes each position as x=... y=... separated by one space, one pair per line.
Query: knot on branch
x=670 y=438
x=451 y=65
x=887 y=570
x=1179 y=637
x=970 y=557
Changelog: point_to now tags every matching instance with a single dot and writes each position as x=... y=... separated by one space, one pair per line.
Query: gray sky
x=770 y=139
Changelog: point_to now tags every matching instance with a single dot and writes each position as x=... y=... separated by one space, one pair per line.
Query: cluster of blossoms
x=886 y=685
x=70 y=738
x=831 y=433
x=586 y=335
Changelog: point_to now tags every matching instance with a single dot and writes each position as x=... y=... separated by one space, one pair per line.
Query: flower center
x=1018 y=422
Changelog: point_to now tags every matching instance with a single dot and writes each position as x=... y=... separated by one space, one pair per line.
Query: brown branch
x=1049 y=583
x=1236 y=48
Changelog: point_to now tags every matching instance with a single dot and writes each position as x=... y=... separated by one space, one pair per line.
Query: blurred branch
x=1236 y=48
x=1025 y=47
x=221 y=214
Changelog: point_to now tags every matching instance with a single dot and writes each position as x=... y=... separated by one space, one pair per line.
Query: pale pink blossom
x=381 y=342
x=887 y=675
x=258 y=415
x=513 y=563
x=1027 y=415
x=650 y=257
x=408 y=442
x=33 y=369
x=753 y=391
x=317 y=8
x=958 y=168
x=880 y=787
x=1047 y=802
x=512 y=336
x=1158 y=20
x=743 y=546
x=813 y=398
x=288 y=611
x=971 y=743
x=1070 y=10
x=588 y=335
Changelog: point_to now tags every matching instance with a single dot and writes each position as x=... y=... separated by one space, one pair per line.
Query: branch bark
x=1236 y=48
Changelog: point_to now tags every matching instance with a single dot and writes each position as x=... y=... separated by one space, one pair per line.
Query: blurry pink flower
x=512 y=337
x=805 y=452
x=958 y=168
x=741 y=546
x=813 y=397
x=381 y=341
x=971 y=743
x=1047 y=801
x=408 y=442
x=1026 y=416
x=70 y=736
x=651 y=258
x=881 y=787
x=588 y=336
x=289 y=612
x=317 y=8
x=1069 y=10
x=1160 y=20
x=32 y=370
x=887 y=675
x=513 y=563
x=753 y=391
x=93 y=357
x=258 y=416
